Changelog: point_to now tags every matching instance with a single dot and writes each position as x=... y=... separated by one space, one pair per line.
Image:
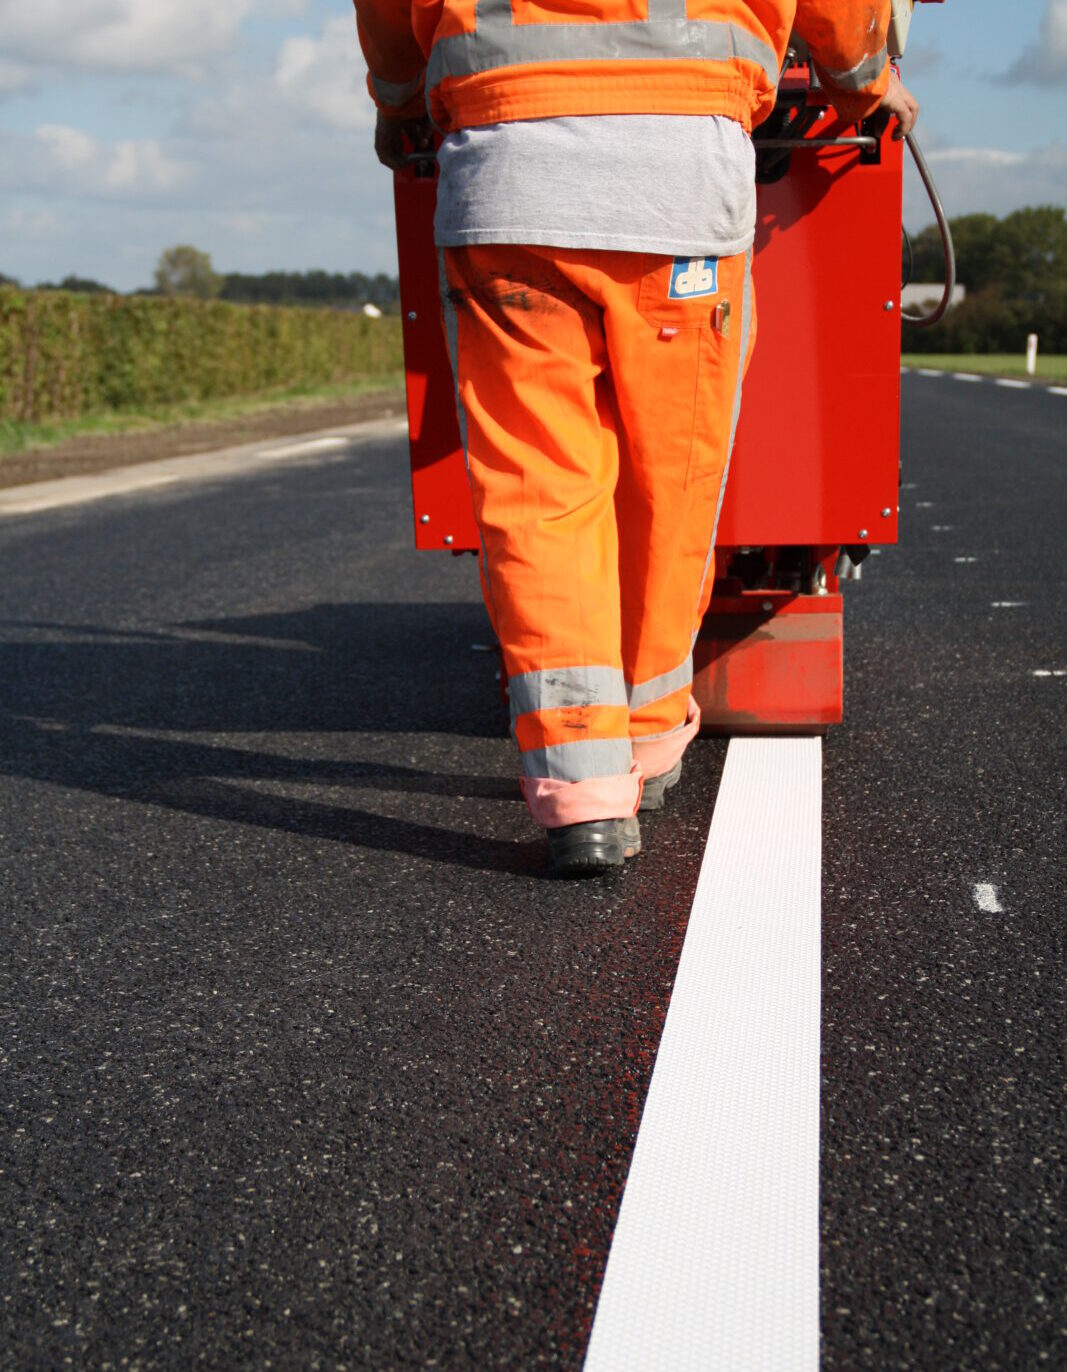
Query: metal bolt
x=767 y=605
x=889 y=306
x=863 y=533
x=413 y=315
x=424 y=519
x=886 y=512
x=448 y=538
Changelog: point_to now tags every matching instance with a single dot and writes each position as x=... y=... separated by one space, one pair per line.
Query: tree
x=84 y=285
x=185 y=270
x=1015 y=271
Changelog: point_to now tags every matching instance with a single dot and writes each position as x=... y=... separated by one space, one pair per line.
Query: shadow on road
x=84 y=707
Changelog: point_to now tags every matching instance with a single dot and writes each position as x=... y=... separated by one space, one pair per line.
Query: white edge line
x=1057 y=390
x=215 y=464
x=966 y=376
x=61 y=499
x=1010 y=385
x=314 y=445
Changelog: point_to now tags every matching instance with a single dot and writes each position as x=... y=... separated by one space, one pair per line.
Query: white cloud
x=69 y=148
x=119 y=35
x=1044 y=63
x=141 y=164
x=324 y=78
x=989 y=180
x=70 y=161
x=14 y=78
x=36 y=224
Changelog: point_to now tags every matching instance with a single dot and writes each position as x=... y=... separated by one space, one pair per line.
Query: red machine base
x=770 y=662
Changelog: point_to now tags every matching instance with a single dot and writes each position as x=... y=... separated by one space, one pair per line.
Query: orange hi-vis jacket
x=476 y=62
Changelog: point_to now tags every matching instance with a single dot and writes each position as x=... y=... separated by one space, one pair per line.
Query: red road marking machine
x=813 y=482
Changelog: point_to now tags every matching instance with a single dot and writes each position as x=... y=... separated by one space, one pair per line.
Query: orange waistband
x=737 y=89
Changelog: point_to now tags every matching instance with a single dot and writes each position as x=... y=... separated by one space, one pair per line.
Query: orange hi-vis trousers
x=598 y=395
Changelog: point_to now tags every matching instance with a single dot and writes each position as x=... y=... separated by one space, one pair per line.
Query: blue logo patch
x=693 y=277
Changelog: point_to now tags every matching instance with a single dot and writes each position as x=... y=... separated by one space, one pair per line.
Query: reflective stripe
x=497 y=42
x=451 y=320
x=391 y=94
x=862 y=74
x=579 y=761
x=558 y=688
x=658 y=687
x=655 y=738
x=746 y=329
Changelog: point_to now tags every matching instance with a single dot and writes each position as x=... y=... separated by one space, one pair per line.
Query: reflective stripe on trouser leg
x=530 y=361
x=451 y=323
x=677 y=383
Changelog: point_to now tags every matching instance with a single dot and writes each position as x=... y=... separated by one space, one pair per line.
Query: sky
x=243 y=127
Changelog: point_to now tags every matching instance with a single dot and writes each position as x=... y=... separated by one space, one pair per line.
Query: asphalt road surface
x=303 y=1065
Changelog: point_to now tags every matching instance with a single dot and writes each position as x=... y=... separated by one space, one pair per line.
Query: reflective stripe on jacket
x=493 y=61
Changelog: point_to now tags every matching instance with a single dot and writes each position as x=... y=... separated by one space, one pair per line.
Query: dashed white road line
x=1045 y=671
x=964 y=559
x=715 y=1259
x=1008 y=604
x=987 y=899
x=1009 y=383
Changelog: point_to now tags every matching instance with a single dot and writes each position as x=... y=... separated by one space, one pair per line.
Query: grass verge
x=1051 y=368
x=19 y=437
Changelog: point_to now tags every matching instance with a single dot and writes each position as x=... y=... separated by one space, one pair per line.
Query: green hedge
x=64 y=355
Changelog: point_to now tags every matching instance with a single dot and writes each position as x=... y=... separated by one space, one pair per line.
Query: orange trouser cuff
x=655 y=756
x=555 y=803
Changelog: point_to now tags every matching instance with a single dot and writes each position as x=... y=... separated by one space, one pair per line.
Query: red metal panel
x=817 y=449
x=440 y=494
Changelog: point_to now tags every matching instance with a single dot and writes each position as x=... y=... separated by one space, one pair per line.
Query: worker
x=595 y=217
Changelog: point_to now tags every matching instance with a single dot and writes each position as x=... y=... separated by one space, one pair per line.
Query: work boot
x=656 y=787
x=592 y=847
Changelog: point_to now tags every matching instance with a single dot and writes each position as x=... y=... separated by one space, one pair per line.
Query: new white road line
x=987 y=900
x=1057 y=390
x=965 y=376
x=1010 y=385
x=930 y=371
x=714 y=1265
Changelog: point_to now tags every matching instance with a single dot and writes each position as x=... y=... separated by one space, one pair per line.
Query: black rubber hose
x=927 y=321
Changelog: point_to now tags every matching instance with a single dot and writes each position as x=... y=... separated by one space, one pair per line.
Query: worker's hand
x=900 y=103
x=396 y=139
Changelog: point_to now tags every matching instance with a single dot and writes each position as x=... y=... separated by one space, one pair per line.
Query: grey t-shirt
x=681 y=185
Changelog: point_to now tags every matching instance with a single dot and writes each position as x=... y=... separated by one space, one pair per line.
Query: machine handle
x=927 y=321
x=799 y=144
